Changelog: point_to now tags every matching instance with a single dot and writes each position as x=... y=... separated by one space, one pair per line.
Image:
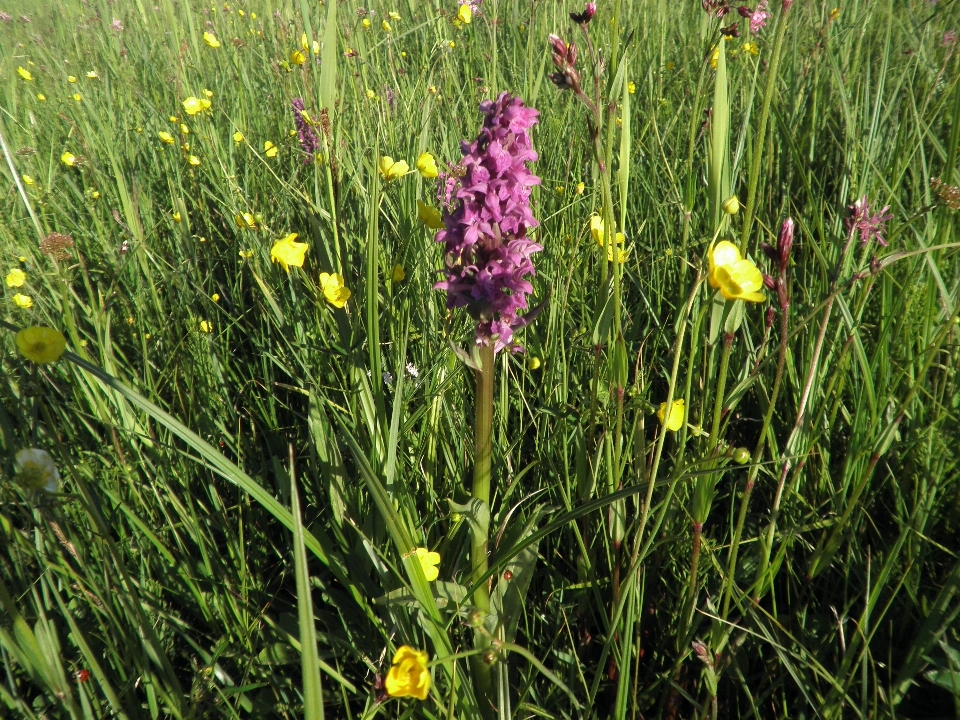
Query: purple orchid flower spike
x=309 y=141
x=487 y=251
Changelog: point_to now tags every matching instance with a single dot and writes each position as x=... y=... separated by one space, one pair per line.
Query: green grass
x=228 y=493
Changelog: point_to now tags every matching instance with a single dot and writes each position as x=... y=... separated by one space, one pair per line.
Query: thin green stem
x=755 y=462
x=755 y=161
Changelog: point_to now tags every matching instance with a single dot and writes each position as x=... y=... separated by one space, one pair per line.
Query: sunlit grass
x=243 y=420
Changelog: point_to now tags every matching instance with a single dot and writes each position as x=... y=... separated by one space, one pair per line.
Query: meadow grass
x=247 y=470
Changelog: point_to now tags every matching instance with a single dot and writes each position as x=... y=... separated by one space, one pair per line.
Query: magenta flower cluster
x=309 y=141
x=488 y=254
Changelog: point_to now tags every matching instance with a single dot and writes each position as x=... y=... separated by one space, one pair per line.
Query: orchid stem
x=483 y=431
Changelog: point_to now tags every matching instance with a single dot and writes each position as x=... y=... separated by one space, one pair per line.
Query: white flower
x=412 y=370
x=387 y=378
x=37 y=471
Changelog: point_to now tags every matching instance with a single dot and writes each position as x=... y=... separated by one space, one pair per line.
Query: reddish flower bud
x=731 y=31
x=787 y=4
x=785 y=243
x=582 y=18
x=770 y=252
x=770 y=315
x=744 y=11
x=768 y=282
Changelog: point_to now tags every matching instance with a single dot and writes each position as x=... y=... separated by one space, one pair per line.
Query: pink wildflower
x=488 y=254
x=869 y=226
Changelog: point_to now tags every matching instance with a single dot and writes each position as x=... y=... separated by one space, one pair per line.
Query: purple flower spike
x=869 y=226
x=488 y=253
x=309 y=141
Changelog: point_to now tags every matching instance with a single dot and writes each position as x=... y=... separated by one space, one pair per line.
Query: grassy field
x=247 y=460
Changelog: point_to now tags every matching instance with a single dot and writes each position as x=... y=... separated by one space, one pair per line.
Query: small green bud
x=731 y=206
x=475 y=619
x=490 y=657
x=741 y=456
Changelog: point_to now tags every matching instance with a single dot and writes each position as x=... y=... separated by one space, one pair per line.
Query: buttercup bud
x=741 y=456
x=731 y=206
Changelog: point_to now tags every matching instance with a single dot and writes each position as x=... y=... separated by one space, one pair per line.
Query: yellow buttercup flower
x=366 y=23
x=92 y=75
x=195 y=105
x=16 y=278
x=297 y=57
x=427 y=165
x=715 y=58
x=27 y=180
x=246 y=221
x=166 y=137
x=631 y=87
x=394 y=15
x=465 y=14
x=399 y=274
x=68 y=158
x=174 y=119
x=71 y=78
x=736 y=278
x=677 y=415
x=246 y=254
x=408 y=676
x=215 y=297
x=25 y=74
x=428 y=563
x=334 y=289
x=371 y=95
x=207 y=93
x=41 y=97
x=177 y=217
x=41 y=344
x=206 y=326
x=238 y=137
x=77 y=97
x=580 y=188
x=391 y=170
x=184 y=129
x=287 y=252
x=751 y=48
x=429 y=216
x=533 y=363
x=386 y=27
x=211 y=40
x=24 y=302
x=193 y=160
x=270 y=149
x=596 y=229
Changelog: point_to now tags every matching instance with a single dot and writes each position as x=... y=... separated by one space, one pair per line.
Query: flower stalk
x=768 y=93
x=483 y=447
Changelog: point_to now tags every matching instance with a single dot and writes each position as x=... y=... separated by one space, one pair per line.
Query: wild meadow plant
x=480 y=360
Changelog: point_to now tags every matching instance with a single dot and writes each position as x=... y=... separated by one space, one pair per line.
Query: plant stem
x=762 y=133
x=483 y=431
x=755 y=461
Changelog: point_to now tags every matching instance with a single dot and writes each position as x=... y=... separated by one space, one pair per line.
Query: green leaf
x=310 y=661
